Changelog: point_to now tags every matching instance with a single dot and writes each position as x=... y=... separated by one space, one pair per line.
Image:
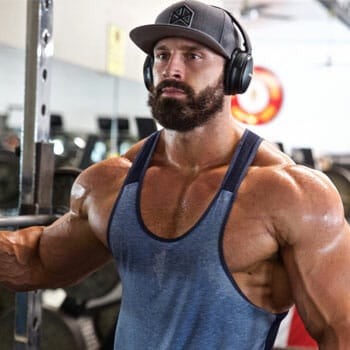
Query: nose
x=174 y=68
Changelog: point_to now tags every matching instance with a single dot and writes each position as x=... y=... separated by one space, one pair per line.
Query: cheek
x=213 y=75
x=156 y=78
x=157 y=74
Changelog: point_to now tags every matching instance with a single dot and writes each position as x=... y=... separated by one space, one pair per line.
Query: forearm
x=24 y=266
x=50 y=257
x=20 y=267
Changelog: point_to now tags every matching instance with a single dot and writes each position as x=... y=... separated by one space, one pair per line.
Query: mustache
x=174 y=84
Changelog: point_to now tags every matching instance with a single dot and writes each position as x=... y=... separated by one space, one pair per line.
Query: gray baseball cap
x=194 y=20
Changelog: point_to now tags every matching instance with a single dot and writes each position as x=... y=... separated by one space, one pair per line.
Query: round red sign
x=261 y=102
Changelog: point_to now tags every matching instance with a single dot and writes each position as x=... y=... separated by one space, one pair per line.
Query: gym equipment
x=98 y=297
x=66 y=150
x=59 y=331
x=27 y=220
x=145 y=126
x=114 y=138
x=340 y=176
x=85 y=320
x=37 y=192
x=36 y=156
x=9 y=179
x=64 y=178
x=96 y=285
x=105 y=319
x=303 y=156
x=238 y=69
x=338 y=8
x=86 y=159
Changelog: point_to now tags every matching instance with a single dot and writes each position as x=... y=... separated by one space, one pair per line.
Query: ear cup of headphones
x=238 y=72
x=147 y=72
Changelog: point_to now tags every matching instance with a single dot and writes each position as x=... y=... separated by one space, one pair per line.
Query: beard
x=185 y=115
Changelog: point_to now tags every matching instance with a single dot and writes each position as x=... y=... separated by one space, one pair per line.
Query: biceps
x=320 y=279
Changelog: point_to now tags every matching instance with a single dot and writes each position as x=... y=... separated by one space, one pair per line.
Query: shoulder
x=104 y=172
x=297 y=198
x=105 y=177
x=283 y=177
x=301 y=187
x=109 y=170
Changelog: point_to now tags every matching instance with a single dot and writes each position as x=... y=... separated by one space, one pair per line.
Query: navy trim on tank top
x=138 y=167
x=141 y=161
x=242 y=158
x=241 y=161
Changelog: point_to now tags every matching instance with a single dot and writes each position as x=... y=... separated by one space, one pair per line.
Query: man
x=215 y=233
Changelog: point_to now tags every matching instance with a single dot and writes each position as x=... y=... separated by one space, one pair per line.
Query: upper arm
x=315 y=241
x=77 y=242
x=74 y=245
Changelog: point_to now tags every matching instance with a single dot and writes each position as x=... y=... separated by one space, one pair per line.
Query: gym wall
x=308 y=52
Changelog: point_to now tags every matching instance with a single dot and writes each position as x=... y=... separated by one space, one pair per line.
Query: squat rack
x=36 y=155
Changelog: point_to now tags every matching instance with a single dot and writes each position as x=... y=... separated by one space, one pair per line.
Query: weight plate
x=58 y=332
x=96 y=285
x=9 y=180
x=341 y=179
x=63 y=181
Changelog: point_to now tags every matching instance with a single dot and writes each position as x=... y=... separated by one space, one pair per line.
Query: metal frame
x=341 y=9
x=37 y=159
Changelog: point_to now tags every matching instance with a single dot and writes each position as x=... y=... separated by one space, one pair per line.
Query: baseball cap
x=194 y=20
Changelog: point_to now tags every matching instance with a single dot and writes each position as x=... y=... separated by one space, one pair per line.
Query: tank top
x=178 y=294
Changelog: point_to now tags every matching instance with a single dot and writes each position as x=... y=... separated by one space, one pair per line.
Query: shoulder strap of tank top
x=143 y=157
x=242 y=158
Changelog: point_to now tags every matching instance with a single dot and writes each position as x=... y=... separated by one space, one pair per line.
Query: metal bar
x=36 y=127
x=45 y=165
x=27 y=220
x=36 y=166
x=28 y=318
x=341 y=9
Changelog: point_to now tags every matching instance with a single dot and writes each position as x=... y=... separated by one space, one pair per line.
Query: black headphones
x=238 y=69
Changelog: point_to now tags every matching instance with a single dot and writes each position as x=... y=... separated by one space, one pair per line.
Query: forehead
x=182 y=44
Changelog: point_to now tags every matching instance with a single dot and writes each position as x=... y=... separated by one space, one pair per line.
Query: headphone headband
x=246 y=41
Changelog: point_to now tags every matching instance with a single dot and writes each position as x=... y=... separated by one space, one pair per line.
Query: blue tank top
x=178 y=294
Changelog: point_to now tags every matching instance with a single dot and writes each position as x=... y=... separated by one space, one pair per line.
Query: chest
x=171 y=205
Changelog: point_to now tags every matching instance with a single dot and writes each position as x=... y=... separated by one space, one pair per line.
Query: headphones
x=238 y=69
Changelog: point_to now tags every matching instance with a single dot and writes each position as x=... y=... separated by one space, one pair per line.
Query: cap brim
x=145 y=37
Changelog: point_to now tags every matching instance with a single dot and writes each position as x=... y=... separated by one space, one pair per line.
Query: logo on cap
x=182 y=16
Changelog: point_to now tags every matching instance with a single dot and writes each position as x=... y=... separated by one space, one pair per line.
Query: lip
x=172 y=92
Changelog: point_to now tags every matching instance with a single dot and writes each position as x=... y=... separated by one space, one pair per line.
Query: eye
x=193 y=56
x=161 y=56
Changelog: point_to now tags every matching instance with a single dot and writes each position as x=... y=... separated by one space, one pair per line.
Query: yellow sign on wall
x=115 y=50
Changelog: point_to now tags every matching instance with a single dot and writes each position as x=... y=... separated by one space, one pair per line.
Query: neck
x=204 y=147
